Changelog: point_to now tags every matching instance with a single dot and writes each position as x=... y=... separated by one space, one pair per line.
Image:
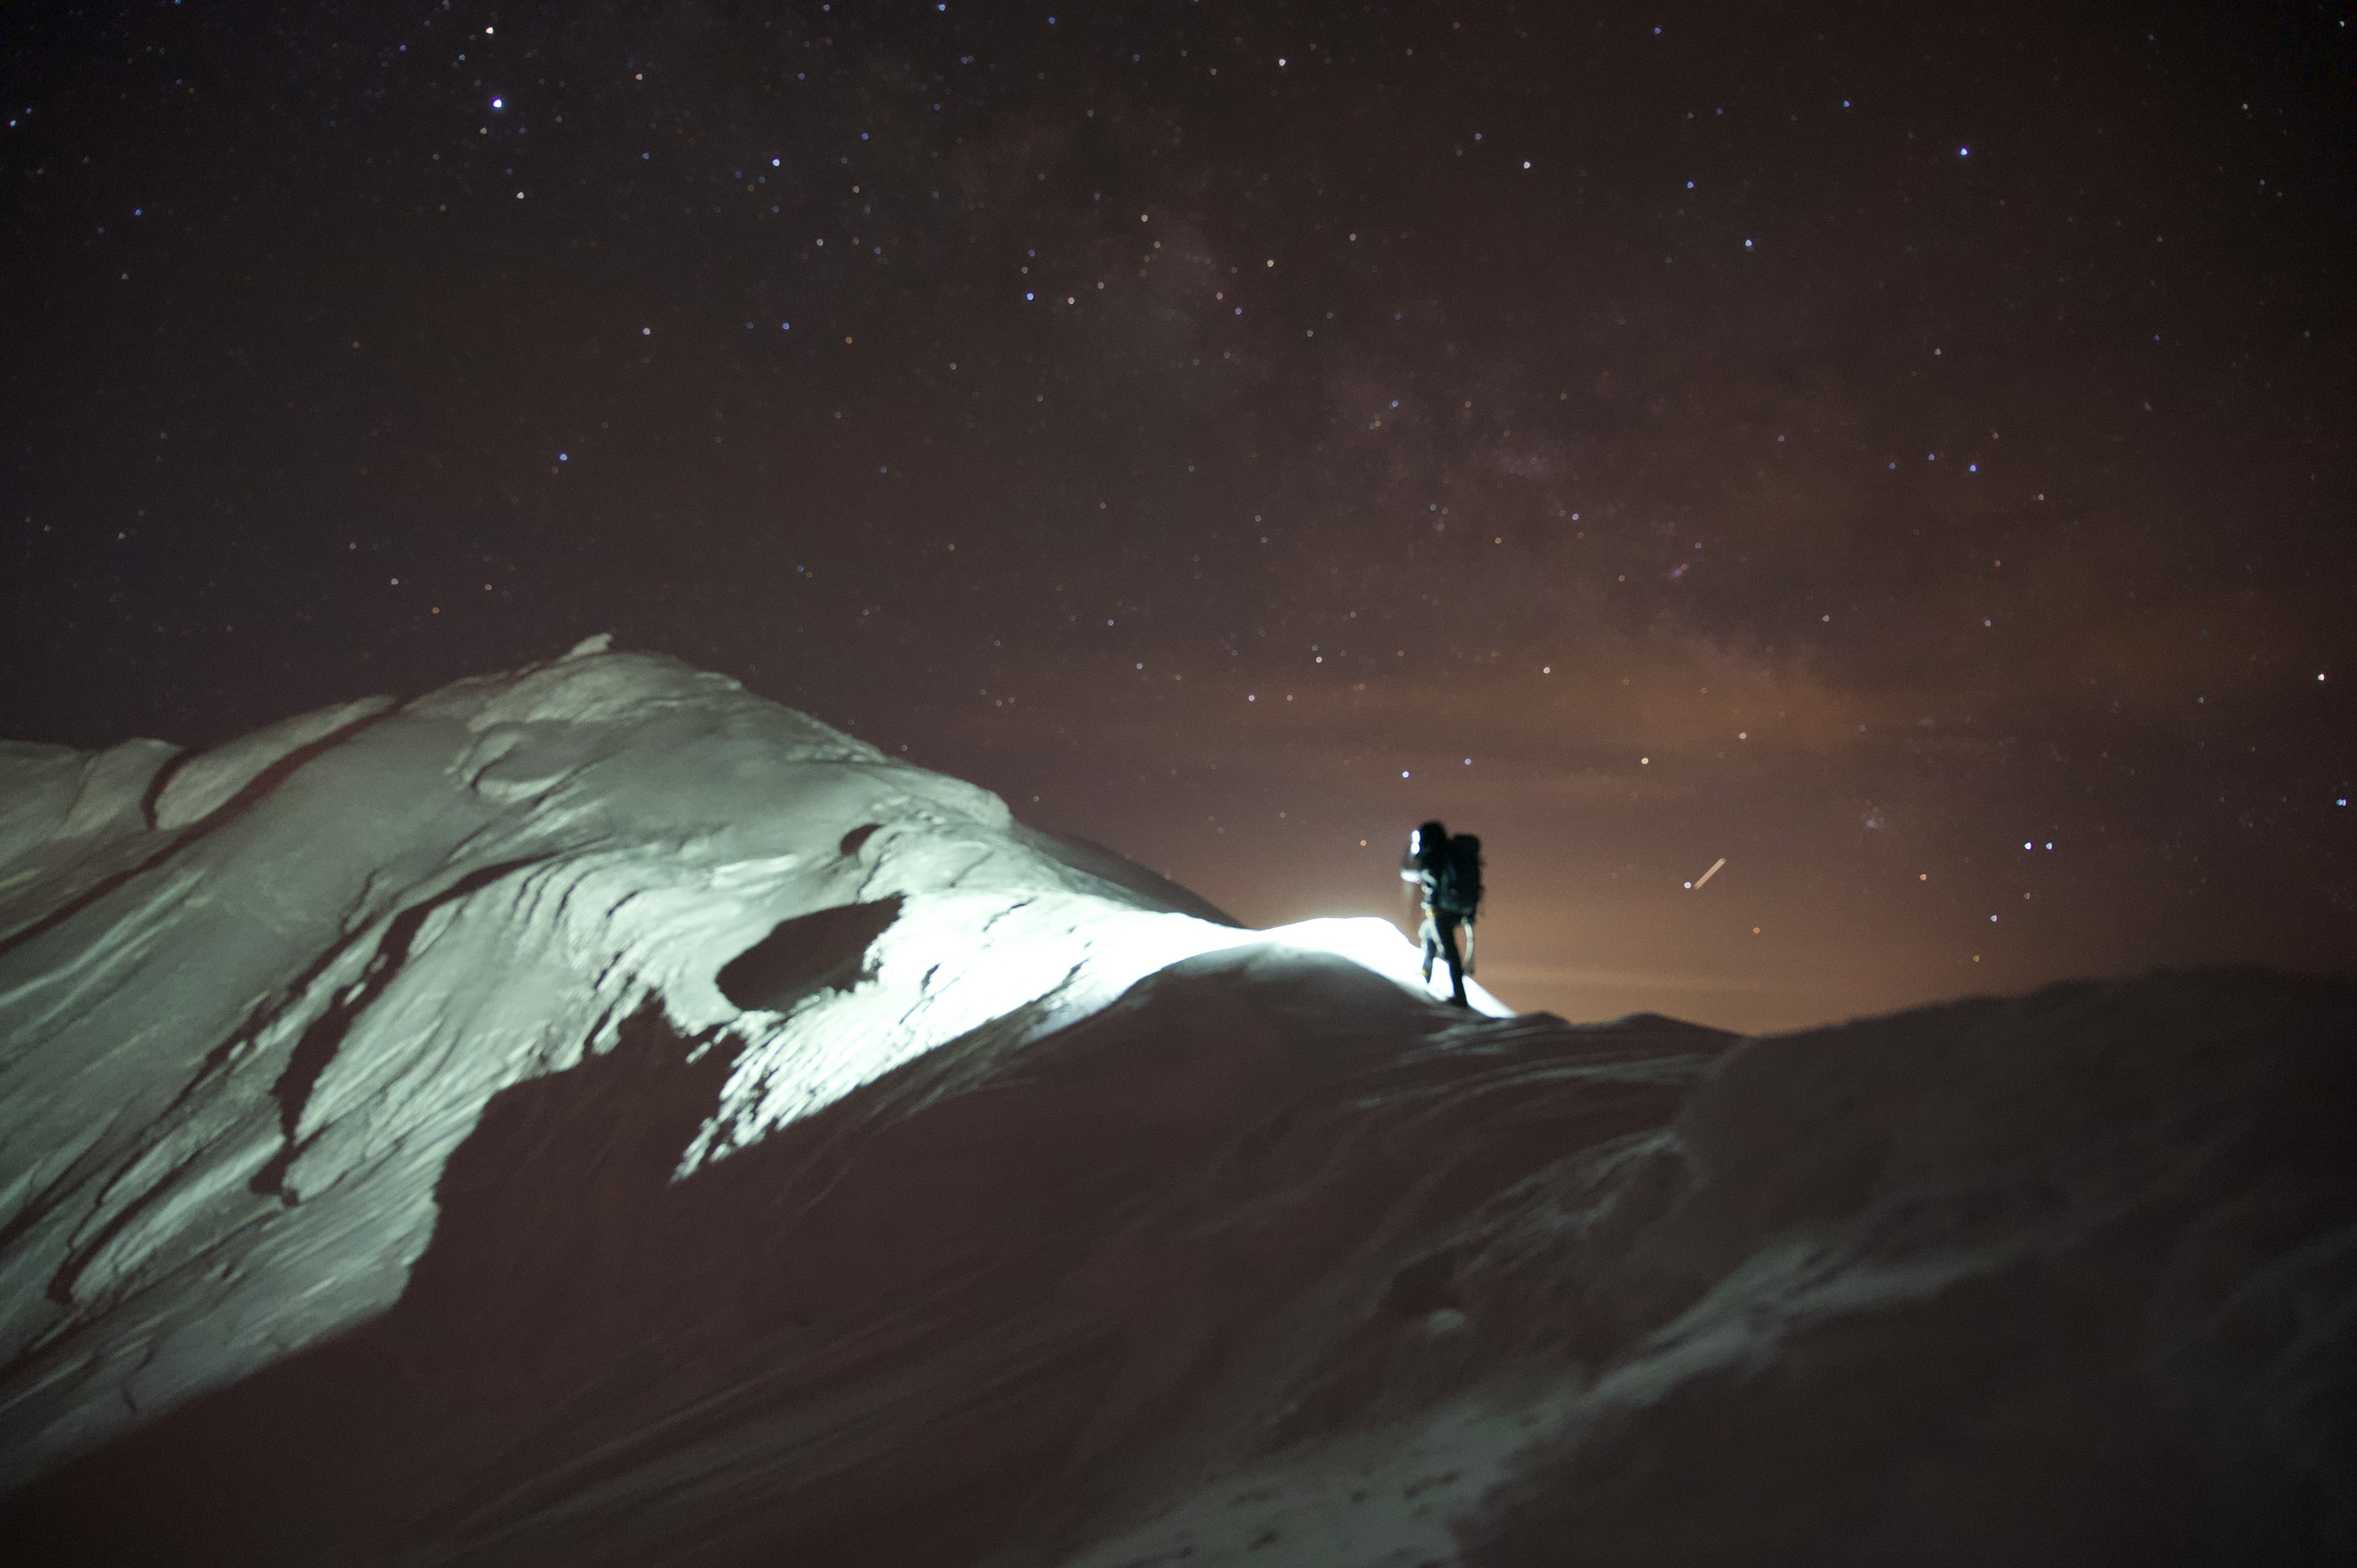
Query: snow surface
x=340 y=936
x=592 y=1115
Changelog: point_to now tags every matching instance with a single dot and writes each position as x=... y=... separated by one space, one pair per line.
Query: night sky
x=1903 y=451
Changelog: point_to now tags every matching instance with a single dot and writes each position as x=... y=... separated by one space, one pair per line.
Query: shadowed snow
x=252 y=998
x=592 y=1115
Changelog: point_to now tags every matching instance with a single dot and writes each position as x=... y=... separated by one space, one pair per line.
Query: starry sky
x=1900 y=452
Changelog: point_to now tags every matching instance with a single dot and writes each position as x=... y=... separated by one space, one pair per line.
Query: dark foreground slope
x=1269 y=1262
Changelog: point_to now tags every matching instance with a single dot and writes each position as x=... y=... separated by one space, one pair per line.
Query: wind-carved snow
x=953 y=961
x=481 y=1025
x=200 y=786
x=252 y=999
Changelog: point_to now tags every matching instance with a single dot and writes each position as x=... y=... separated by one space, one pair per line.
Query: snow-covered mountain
x=594 y=1115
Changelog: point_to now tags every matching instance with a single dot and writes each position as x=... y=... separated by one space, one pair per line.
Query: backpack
x=1457 y=879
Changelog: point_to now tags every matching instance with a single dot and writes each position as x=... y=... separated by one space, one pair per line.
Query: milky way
x=1905 y=455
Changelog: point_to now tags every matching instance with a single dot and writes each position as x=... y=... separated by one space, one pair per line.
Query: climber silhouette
x=1447 y=871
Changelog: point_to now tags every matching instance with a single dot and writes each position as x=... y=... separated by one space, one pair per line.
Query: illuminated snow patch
x=1376 y=944
x=955 y=963
x=254 y=997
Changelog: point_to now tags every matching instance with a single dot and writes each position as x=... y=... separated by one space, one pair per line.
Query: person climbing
x=1446 y=870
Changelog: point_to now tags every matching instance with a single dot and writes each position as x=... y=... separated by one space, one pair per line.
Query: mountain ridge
x=593 y=1115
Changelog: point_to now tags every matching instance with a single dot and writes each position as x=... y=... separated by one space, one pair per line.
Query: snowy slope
x=253 y=999
x=593 y=1115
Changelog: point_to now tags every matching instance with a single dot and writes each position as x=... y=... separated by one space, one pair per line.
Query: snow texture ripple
x=252 y=998
x=592 y=1115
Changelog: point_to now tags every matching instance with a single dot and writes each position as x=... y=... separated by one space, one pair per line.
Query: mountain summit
x=594 y=1115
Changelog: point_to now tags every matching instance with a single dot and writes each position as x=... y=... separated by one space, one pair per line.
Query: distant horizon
x=1856 y=444
x=1742 y=998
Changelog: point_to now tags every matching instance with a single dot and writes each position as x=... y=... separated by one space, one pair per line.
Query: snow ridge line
x=151 y=800
x=392 y=952
x=315 y=1051
x=251 y=795
x=40 y=1204
x=266 y=1013
x=76 y=1262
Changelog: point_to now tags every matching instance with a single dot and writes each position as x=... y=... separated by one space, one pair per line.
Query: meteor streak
x=1708 y=875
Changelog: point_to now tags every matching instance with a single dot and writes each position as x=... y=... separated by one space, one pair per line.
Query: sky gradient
x=1867 y=446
